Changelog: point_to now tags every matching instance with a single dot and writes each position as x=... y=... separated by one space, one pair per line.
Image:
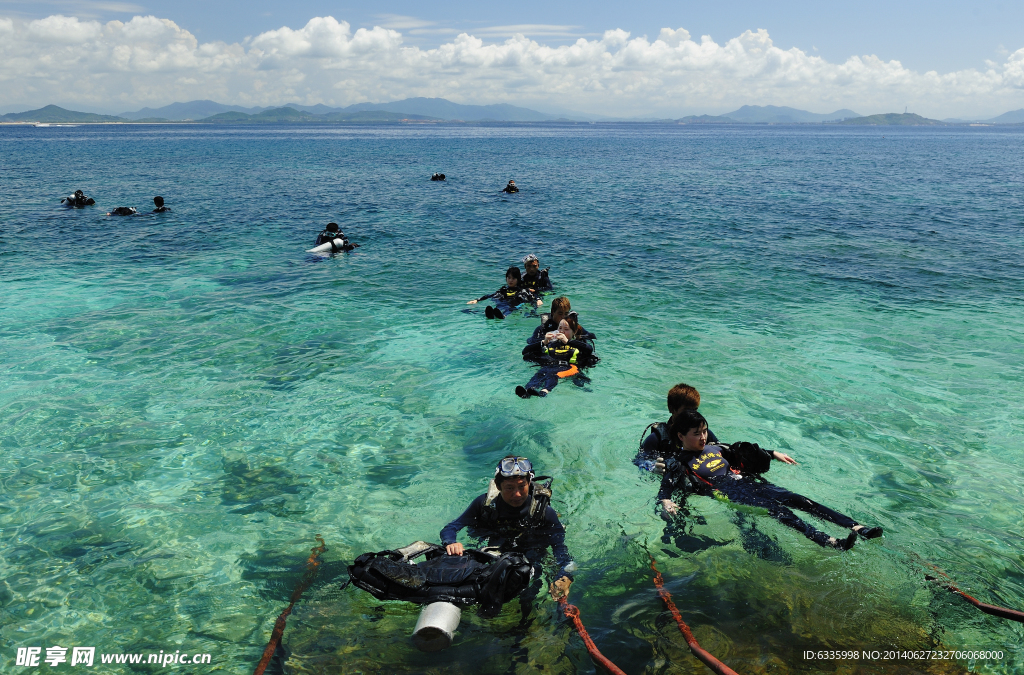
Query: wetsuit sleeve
x=670 y=483
x=558 y=547
x=538 y=335
x=450 y=533
x=648 y=453
x=484 y=297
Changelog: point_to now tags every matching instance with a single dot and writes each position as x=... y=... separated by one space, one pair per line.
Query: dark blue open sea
x=187 y=399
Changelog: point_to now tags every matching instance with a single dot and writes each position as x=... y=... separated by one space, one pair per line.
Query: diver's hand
x=454 y=549
x=659 y=465
x=540 y=302
x=472 y=302
x=669 y=506
x=560 y=588
x=782 y=457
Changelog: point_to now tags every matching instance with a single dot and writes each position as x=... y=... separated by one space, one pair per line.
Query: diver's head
x=512 y=477
x=531 y=264
x=560 y=308
x=683 y=397
x=332 y=227
x=159 y=201
x=513 y=276
x=79 y=193
x=689 y=429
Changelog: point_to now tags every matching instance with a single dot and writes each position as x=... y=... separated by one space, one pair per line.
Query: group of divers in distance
x=79 y=199
x=513 y=525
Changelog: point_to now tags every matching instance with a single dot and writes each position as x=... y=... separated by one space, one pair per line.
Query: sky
x=940 y=59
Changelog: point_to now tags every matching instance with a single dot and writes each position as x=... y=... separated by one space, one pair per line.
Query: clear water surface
x=186 y=400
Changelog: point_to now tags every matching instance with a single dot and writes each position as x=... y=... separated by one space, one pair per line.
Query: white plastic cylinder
x=327 y=246
x=435 y=629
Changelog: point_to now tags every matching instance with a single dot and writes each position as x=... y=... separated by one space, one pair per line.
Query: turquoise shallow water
x=186 y=400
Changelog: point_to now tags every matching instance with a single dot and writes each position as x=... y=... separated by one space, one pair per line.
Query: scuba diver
x=437 y=176
x=123 y=211
x=658 y=444
x=515 y=515
x=732 y=474
x=78 y=200
x=336 y=238
x=536 y=279
x=561 y=308
x=511 y=187
x=560 y=356
x=508 y=297
x=158 y=202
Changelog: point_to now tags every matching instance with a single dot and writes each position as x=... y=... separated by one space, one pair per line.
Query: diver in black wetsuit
x=515 y=515
x=658 y=444
x=78 y=200
x=536 y=279
x=509 y=296
x=511 y=187
x=559 y=357
x=158 y=202
x=711 y=470
x=123 y=211
x=335 y=237
x=437 y=176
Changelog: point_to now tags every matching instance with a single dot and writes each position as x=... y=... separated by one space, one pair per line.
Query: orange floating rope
x=709 y=660
x=312 y=567
x=994 y=610
x=573 y=612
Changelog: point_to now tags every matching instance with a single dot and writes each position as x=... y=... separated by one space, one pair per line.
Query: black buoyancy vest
x=475 y=577
x=750 y=458
x=562 y=352
x=660 y=431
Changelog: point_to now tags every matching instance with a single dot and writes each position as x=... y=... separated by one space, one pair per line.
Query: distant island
x=894 y=120
x=435 y=110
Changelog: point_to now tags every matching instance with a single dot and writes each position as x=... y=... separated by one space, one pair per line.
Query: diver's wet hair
x=332 y=227
x=683 y=396
x=685 y=420
x=560 y=304
x=158 y=201
x=514 y=273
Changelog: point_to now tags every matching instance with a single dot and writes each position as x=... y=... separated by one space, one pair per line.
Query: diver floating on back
x=509 y=297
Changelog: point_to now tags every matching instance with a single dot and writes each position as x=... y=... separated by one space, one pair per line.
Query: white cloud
x=152 y=61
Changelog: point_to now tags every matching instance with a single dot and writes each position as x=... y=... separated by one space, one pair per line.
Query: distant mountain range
x=439 y=109
x=410 y=108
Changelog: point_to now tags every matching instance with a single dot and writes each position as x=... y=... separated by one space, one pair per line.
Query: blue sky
x=944 y=37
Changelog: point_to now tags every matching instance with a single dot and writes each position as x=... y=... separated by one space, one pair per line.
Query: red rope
x=312 y=567
x=573 y=612
x=709 y=660
x=994 y=610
